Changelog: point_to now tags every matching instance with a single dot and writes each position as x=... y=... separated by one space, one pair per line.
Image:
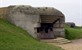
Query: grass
x=73 y=33
x=14 y=38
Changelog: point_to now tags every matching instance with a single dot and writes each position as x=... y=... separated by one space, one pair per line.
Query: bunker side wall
x=26 y=21
x=59 y=28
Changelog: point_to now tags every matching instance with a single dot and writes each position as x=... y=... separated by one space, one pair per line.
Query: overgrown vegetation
x=14 y=38
x=73 y=33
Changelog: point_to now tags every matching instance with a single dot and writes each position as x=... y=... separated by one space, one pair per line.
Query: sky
x=72 y=9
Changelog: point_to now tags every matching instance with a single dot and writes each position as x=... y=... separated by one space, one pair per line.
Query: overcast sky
x=71 y=8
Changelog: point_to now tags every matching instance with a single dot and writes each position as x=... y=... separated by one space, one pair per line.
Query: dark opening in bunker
x=50 y=27
x=46 y=31
x=46 y=27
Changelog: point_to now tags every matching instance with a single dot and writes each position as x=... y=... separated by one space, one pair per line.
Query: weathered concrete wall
x=26 y=21
x=59 y=32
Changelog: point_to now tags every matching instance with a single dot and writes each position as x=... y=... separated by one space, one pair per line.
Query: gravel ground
x=75 y=45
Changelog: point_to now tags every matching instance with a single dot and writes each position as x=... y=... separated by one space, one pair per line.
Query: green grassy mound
x=14 y=38
x=73 y=33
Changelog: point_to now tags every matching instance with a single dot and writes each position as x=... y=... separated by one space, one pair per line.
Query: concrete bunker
x=40 y=22
x=70 y=24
